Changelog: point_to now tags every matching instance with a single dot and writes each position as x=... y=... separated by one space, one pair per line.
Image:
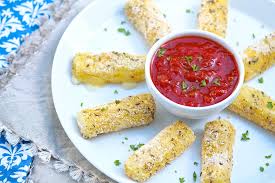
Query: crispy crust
x=259 y=57
x=252 y=105
x=213 y=16
x=147 y=19
x=161 y=150
x=112 y=67
x=217 y=152
x=126 y=113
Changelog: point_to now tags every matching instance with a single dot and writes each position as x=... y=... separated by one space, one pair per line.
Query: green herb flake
x=268 y=156
x=267 y=164
x=188 y=58
x=117 y=162
x=117 y=101
x=161 y=52
x=245 y=136
x=194 y=176
x=136 y=147
x=181 y=180
x=188 y=11
x=269 y=105
x=81 y=104
x=217 y=82
x=196 y=163
x=203 y=83
x=124 y=31
x=184 y=86
x=164 y=15
x=261 y=169
x=261 y=80
x=115 y=92
x=123 y=22
x=195 y=67
x=176 y=171
x=126 y=138
x=103 y=109
x=253 y=36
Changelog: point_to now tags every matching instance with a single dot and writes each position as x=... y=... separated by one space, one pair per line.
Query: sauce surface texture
x=194 y=71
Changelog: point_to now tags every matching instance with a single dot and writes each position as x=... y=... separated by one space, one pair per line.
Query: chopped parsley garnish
x=115 y=92
x=164 y=15
x=253 y=36
x=188 y=11
x=268 y=156
x=103 y=109
x=261 y=80
x=176 y=171
x=203 y=83
x=184 y=86
x=161 y=52
x=245 y=136
x=117 y=101
x=267 y=164
x=269 y=105
x=124 y=31
x=117 y=162
x=188 y=58
x=81 y=104
x=126 y=138
x=261 y=169
x=196 y=163
x=136 y=147
x=194 y=176
x=123 y=22
x=217 y=82
x=105 y=29
x=181 y=180
x=195 y=67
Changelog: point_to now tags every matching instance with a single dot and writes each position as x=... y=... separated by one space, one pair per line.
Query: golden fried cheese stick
x=213 y=16
x=171 y=142
x=112 y=67
x=147 y=19
x=130 y=112
x=259 y=57
x=217 y=152
x=255 y=106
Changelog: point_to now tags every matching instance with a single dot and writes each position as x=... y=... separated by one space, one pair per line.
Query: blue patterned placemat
x=15 y=160
x=18 y=19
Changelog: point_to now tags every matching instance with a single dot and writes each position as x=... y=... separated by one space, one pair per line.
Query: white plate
x=86 y=33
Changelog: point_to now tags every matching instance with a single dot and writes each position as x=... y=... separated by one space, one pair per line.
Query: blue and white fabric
x=18 y=19
x=15 y=160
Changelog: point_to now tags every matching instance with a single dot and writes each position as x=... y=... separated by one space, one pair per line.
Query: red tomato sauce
x=194 y=71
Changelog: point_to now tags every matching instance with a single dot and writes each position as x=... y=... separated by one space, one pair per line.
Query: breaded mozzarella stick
x=147 y=19
x=217 y=152
x=126 y=113
x=112 y=67
x=171 y=142
x=213 y=16
x=255 y=106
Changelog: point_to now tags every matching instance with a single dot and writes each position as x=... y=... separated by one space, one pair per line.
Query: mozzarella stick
x=259 y=57
x=255 y=106
x=112 y=67
x=217 y=152
x=212 y=16
x=147 y=19
x=126 y=113
x=161 y=150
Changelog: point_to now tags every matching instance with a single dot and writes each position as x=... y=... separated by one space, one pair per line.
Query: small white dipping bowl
x=187 y=111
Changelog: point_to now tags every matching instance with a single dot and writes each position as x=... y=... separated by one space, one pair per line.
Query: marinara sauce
x=194 y=71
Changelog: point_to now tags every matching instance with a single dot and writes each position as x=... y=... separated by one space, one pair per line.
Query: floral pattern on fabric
x=19 y=18
x=15 y=160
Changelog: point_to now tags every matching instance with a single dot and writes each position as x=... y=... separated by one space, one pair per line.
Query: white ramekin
x=187 y=111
